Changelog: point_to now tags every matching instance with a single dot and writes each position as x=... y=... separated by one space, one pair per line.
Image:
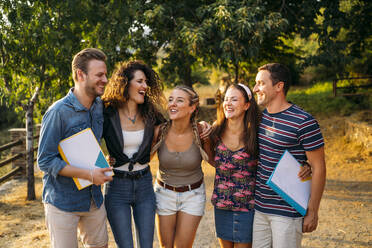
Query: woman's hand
x=305 y=171
x=206 y=130
x=110 y=160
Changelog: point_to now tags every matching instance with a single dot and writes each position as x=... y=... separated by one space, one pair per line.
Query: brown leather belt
x=181 y=188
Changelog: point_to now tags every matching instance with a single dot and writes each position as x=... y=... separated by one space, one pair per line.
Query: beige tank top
x=179 y=168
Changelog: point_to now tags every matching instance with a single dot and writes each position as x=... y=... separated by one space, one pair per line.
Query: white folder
x=83 y=151
x=285 y=182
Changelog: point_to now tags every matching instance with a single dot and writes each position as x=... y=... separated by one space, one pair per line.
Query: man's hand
x=206 y=129
x=99 y=177
x=310 y=221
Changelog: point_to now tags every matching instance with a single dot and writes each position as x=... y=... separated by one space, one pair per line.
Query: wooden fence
x=18 y=154
x=351 y=87
x=22 y=149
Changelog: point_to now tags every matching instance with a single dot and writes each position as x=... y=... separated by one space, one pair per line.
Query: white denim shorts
x=169 y=202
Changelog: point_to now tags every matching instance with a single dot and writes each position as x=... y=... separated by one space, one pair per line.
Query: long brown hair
x=251 y=122
x=116 y=92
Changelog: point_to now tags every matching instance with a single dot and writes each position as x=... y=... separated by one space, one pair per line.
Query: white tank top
x=132 y=142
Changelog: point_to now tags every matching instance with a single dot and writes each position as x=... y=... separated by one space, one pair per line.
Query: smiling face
x=179 y=105
x=234 y=104
x=95 y=80
x=137 y=87
x=264 y=88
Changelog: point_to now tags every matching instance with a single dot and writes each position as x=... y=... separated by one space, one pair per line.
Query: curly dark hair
x=251 y=123
x=116 y=92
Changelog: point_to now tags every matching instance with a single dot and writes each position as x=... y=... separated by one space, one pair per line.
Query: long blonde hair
x=164 y=128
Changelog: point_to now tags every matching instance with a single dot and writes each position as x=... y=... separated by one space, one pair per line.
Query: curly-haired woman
x=130 y=115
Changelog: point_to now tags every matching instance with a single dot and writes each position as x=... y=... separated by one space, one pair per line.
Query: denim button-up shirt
x=64 y=118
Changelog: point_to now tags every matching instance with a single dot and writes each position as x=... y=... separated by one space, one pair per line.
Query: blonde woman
x=179 y=186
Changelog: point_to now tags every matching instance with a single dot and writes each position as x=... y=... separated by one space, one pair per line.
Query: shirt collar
x=74 y=102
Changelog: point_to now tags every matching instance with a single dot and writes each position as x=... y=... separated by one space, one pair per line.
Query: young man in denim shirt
x=68 y=209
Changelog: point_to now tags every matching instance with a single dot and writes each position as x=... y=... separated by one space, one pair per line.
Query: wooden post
x=30 y=146
x=334 y=87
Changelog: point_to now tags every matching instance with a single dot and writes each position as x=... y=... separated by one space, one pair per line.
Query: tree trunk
x=30 y=147
x=236 y=73
x=187 y=76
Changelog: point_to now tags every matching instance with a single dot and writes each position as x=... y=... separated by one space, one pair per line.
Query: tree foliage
x=165 y=21
x=345 y=38
x=181 y=39
x=232 y=32
x=39 y=38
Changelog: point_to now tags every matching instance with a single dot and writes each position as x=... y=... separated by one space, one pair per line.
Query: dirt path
x=345 y=211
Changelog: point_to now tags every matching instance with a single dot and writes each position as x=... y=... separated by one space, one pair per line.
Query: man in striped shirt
x=284 y=126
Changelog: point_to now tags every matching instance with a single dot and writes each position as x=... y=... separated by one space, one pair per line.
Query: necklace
x=133 y=120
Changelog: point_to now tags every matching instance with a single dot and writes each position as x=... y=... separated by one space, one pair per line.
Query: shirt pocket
x=78 y=128
x=98 y=130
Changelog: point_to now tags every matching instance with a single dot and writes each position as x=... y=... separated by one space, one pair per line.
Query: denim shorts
x=169 y=202
x=234 y=226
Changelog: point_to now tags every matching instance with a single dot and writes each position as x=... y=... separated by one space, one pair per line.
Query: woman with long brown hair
x=234 y=152
x=130 y=115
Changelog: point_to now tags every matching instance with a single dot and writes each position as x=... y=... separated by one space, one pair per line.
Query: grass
x=319 y=101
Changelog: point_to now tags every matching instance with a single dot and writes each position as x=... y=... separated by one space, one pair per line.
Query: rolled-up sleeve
x=51 y=133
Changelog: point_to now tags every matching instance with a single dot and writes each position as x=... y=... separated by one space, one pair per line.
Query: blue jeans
x=122 y=195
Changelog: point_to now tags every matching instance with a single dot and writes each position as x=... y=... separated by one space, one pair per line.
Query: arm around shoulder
x=155 y=140
x=207 y=146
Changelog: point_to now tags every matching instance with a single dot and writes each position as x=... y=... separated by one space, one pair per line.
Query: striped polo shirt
x=294 y=130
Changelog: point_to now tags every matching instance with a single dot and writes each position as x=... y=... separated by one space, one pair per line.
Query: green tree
x=37 y=42
x=345 y=38
x=232 y=33
x=165 y=21
x=39 y=38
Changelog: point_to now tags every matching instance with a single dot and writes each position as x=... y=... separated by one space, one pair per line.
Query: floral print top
x=235 y=179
